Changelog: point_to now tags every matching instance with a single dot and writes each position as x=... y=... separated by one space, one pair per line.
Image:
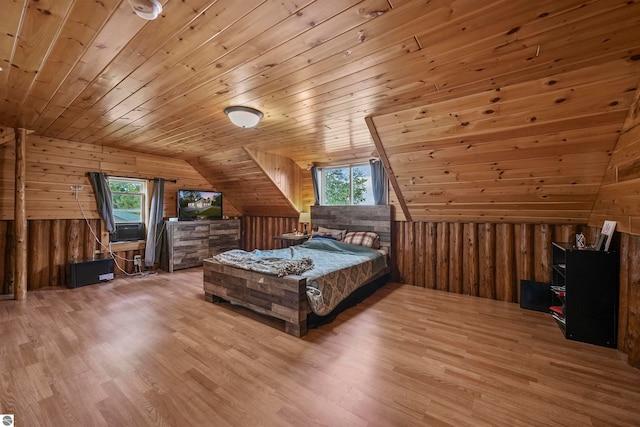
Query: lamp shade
x=244 y=117
x=305 y=218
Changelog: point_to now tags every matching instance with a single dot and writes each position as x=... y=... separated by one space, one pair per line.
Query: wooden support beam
x=387 y=165
x=20 y=285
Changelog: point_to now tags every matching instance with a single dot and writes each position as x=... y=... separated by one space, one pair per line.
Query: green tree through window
x=360 y=180
x=347 y=186
x=337 y=187
x=128 y=200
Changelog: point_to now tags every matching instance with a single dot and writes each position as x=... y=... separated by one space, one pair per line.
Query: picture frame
x=608 y=228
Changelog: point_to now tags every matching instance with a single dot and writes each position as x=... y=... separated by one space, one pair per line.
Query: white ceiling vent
x=146 y=9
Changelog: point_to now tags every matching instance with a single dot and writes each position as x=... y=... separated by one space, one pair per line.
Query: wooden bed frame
x=285 y=298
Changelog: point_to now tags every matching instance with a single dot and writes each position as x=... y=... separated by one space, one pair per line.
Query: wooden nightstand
x=287 y=240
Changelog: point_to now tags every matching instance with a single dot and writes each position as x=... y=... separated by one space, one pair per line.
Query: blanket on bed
x=339 y=269
x=254 y=261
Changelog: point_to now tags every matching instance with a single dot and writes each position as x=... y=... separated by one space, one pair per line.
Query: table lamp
x=305 y=218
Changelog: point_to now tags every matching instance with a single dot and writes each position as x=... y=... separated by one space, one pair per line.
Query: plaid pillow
x=363 y=238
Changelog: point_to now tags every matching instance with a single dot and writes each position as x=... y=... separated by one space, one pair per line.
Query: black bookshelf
x=585 y=302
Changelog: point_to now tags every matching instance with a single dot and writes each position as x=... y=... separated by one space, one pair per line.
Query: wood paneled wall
x=57 y=230
x=283 y=172
x=52 y=245
x=258 y=231
x=489 y=260
x=478 y=259
x=618 y=198
x=629 y=317
x=308 y=198
x=54 y=165
x=502 y=156
x=253 y=191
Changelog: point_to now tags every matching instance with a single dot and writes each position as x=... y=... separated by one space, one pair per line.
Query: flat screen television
x=199 y=204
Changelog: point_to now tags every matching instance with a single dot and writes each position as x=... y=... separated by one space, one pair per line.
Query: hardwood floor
x=151 y=351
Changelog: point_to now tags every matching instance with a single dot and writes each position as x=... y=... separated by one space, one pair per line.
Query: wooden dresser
x=187 y=243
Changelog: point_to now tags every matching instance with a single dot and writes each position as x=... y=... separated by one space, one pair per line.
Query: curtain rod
x=142 y=177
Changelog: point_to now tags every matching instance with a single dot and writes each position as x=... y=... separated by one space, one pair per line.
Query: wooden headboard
x=355 y=218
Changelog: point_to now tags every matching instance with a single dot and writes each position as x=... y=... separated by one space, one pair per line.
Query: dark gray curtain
x=154 y=230
x=316 y=185
x=379 y=182
x=100 y=185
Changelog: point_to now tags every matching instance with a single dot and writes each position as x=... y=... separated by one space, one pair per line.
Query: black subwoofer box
x=83 y=273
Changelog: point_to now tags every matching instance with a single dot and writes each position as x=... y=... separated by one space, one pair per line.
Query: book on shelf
x=559 y=318
x=557 y=309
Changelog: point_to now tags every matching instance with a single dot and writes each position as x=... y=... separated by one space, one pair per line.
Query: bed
x=288 y=297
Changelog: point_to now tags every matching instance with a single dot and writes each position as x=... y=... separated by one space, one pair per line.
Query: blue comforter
x=328 y=255
x=337 y=268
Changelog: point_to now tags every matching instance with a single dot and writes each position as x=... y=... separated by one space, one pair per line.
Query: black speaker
x=535 y=295
x=83 y=273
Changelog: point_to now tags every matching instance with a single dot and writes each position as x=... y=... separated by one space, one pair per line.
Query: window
x=347 y=185
x=128 y=196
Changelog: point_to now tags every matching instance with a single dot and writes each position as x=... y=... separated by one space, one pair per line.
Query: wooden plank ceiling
x=496 y=110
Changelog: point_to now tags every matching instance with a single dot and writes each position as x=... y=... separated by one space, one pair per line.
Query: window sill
x=128 y=246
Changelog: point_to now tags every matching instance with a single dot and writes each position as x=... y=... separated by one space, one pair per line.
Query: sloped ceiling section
x=284 y=173
x=244 y=183
x=530 y=152
x=161 y=86
x=619 y=197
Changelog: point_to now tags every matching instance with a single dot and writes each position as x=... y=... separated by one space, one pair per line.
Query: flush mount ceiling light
x=244 y=117
x=146 y=9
